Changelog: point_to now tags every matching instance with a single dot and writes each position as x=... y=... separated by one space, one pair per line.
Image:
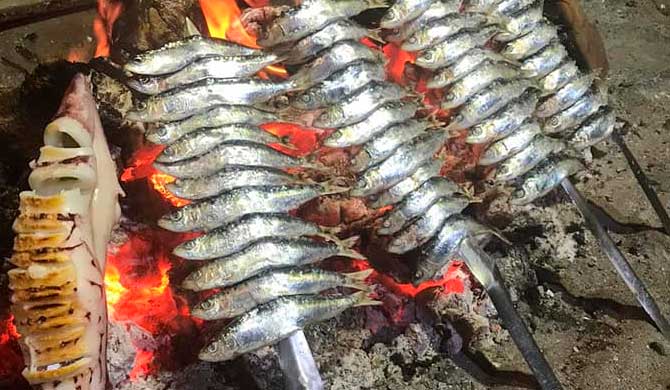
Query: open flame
x=108 y=12
x=223 y=21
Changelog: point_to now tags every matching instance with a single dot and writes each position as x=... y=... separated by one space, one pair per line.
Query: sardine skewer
x=297 y=363
x=623 y=267
x=484 y=269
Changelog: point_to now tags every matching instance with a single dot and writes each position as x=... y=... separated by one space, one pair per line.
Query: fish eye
x=519 y=193
x=476 y=130
x=459 y=118
x=162 y=131
x=212 y=348
x=136 y=59
x=419 y=274
x=168 y=151
x=141 y=105
x=189 y=245
x=451 y=96
x=177 y=215
x=428 y=56
x=206 y=304
x=554 y=122
x=390 y=15
x=144 y=80
x=412 y=39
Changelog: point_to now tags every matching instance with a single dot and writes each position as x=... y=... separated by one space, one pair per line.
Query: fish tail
x=362 y=298
x=375 y=35
x=357 y=279
x=378 y=3
x=346 y=246
x=330 y=187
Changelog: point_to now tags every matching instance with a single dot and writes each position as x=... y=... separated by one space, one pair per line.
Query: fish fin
x=190 y=28
x=379 y=3
x=499 y=235
x=363 y=298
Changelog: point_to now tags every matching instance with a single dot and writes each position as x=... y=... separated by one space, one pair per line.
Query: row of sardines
x=344 y=88
x=528 y=102
x=201 y=100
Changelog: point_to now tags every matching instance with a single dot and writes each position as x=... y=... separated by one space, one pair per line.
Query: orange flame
x=78 y=54
x=142 y=167
x=223 y=21
x=108 y=12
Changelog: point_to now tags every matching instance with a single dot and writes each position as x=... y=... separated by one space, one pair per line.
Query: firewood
x=14 y=13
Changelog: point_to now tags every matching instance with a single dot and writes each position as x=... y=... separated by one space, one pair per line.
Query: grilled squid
x=65 y=220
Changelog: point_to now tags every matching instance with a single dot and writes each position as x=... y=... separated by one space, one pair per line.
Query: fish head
x=305 y=100
x=186 y=249
x=143 y=111
x=209 y=309
x=136 y=64
x=145 y=84
x=329 y=117
x=160 y=134
x=177 y=221
x=411 y=43
x=393 y=17
x=429 y=58
x=367 y=183
x=521 y=196
x=207 y=277
x=222 y=348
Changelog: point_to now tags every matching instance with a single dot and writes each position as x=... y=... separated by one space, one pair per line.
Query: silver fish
x=565 y=97
x=545 y=61
x=340 y=85
x=267 y=254
x=242 y=297
x=383 y=145
x=438 y=30
x=427 y=225
x=203 y=95
x=510 y=145
x=311 y=16
x=232 y=153
x=504 y=121
x=403 y=11
x=508 y=7
x=451 y=49
x=537 y=150
x=595 y=129
x=167 y=133
x=417 y=203
x=404 y=161
x=541 y=180
x=482 y=6
x=559 y=77
x=379 y=120
x=269 y=323
x=232 y=205
x=338 y=57
x=227 y=179
x=238 y=235
x=541 y=36
x=201 y=142
x=398 y=192
x=211 y=67
x=358 y=106
x=176 y=55
x=574 y=115
x=476 y=81
x=437 y=10
x=307 y=47
x=463 y=66
x=521 y=23
x=488 y=102
x=438 y=252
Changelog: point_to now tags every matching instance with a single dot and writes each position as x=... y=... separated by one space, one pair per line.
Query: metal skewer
x=619 y=261
x=297 y=363
x=484 y=269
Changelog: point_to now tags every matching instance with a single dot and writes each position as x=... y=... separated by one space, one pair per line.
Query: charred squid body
x=395 y=163
x=558 y=113
x=58 y=296
x=207 y=107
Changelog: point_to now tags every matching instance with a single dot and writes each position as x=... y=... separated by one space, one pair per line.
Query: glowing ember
x=108 y=12
x=78 y=54
x=304 y=139
x=11 y=363
x=395 y=67
x=452 y=282
x=223 y=21
x=142 y=167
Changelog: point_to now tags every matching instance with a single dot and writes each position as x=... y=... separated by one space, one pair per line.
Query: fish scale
x=241 y=196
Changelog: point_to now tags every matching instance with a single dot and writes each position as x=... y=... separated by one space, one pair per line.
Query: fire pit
x=439 y=334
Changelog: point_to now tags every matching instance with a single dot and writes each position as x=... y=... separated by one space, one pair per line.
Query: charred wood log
x=15 y=13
